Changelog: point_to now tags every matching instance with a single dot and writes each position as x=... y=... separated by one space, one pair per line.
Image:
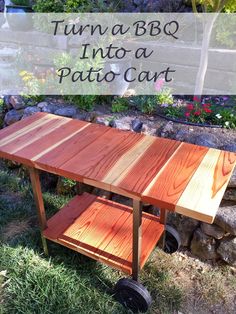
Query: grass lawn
x=69 y=283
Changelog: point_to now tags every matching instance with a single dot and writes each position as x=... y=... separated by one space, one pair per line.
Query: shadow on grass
x=66 y=281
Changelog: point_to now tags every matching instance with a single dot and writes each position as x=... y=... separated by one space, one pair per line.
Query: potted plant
x=22 y=22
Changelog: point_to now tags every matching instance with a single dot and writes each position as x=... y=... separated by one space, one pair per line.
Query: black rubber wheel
x=132 y=295
x=172 y=240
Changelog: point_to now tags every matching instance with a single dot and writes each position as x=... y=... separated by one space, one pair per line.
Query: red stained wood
x=171 y=183
x=66 y=216
x=223 y=169
x=54 y=159
x=150 y=163
x=96 y=160
x=101 y=229
x=20 y=124
x=45 y=142
x=17 y=143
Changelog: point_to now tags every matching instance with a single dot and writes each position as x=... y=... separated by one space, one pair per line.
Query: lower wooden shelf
x=102 y=230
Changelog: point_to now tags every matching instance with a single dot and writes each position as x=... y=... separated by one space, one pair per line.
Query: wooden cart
x=171 y=175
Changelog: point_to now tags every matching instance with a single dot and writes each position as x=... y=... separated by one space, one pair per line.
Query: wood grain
x=170 y=183
x=97 y=159
x=102 y=231
x=147 y=166
x=39 y=121
x=19 y=125
x=66 y=216
x=70 y=148
x=33 y=135
x=202 y=196
x=121 y=166
x=48 y=142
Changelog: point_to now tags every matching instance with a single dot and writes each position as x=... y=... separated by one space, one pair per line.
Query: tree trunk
x=208 y=23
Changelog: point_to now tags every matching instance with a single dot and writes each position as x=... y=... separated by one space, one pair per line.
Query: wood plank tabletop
x=181 y=177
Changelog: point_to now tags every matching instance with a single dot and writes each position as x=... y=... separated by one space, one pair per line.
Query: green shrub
x=146 y=104
x=21 y=2
x=85 y=102
x=164 y=97
x=120 y=104
x=47 y=6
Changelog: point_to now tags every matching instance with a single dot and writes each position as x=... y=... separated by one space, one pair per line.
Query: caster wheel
x=172 y=240
x=132 y=295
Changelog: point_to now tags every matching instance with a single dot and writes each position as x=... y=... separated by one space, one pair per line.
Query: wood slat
x=202 y=196
x=140 y=174
x=96 y=160
x=157 y=171
x=169 y=184
x=33 y=135
x=123 y=163
x=39 y=120
x=63 y=219
x=19 y=125
x=69 y=149
x=102 y=231
x=52 y=140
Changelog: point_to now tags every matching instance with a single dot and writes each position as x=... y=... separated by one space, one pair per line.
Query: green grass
x=66 y=282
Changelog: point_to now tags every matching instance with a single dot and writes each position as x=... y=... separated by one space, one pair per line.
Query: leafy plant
x=120 y=104
x=146 y=104
x=164 y=97
x=85 y=102
x=48 y=6
x=226 y=118
x=172 y=110
x=215 y=5
x=1 y=104
x=21 y=2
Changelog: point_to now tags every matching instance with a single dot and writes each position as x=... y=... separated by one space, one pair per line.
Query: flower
x=187 y=114
x=164 y=105
x=225 y=98
x=207 y=110
x=197 y=113
x=159 y=84
x=206 y=105
x=218 y=116
x=227 y=123
x=196 y=98
x=190 y=107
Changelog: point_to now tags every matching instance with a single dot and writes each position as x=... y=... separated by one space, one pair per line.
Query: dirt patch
x=15 y=228
x=207 y=287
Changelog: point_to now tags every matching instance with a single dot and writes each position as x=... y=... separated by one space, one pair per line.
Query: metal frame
x=137 y=235
x=137 y=238
x=35 y=181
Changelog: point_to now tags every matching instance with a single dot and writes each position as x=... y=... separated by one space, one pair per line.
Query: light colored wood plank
x=121 y=167
x=202 y=196
x=24 y=130
x=170 y=183
x=33 y=135
x=146 y=166
x=11 y=129
x=96 y=160
x=47 y=143
x=55 y=158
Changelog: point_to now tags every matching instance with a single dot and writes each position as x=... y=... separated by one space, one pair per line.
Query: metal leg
x=137 y=238
x=163 y=218
x=79 y=188
x=35 y=181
